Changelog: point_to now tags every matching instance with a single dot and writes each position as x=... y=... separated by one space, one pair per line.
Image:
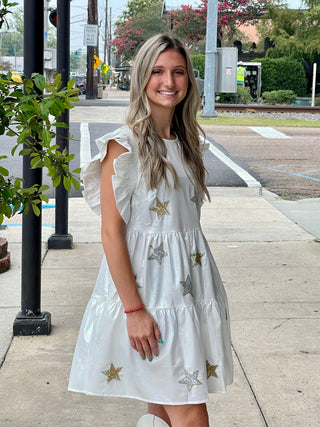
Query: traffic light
x=76 y=54
x=53 y=17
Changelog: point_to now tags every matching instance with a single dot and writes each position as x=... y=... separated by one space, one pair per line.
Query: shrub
x=241 y=97
x=279 y=97
x=283 y=73
x=198 y=62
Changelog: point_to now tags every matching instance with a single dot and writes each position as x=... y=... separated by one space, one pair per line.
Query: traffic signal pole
x=61 y=239
x=30 y=320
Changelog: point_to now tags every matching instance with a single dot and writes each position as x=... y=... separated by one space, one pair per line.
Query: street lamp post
x=210 y=61
x=30 y=320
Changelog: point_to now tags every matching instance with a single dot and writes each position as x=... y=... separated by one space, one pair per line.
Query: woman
x=157 y=325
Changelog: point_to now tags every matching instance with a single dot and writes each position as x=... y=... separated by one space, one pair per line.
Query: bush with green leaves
x=279 y=97
x=283 y=73
x=31 y=118
x=242 y=96
x=198 y=62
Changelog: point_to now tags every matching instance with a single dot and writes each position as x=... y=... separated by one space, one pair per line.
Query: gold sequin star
x=157 y=253
x=190 y=379
x=161 y=208
x=211 y=370
x=187 y=286
x=113 y=373
x=197 y=258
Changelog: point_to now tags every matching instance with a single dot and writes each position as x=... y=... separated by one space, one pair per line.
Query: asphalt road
x=218 y=173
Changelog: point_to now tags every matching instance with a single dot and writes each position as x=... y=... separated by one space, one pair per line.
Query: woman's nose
x=169 y=81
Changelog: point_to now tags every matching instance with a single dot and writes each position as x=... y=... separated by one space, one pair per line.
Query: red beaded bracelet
x=141 y=307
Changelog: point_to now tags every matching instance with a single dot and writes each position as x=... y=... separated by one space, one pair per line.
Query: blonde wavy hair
x=151 y=148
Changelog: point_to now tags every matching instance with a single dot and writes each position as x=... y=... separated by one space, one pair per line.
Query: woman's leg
x=159 y=411
x=188 y=415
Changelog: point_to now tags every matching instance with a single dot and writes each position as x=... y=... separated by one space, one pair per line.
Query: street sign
x=90 y=35
x=97 y=62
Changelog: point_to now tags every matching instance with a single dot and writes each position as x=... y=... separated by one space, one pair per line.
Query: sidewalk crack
x=250 y=386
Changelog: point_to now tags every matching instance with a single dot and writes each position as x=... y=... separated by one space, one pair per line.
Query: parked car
x=81 y=84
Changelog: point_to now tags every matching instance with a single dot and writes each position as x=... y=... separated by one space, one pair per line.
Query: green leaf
x=67 y=183
x=35 y=209
x=28 y=86
x=77 y=171
x=43 y=188
x=4 y=171
x=44 y=198
x=46 y=138
x=56 y=181
x=70 y=84
x=1 y=218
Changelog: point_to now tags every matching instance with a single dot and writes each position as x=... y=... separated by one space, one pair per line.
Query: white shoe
x=150 y=420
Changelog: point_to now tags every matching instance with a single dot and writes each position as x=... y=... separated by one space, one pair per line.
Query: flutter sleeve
x=126 y=173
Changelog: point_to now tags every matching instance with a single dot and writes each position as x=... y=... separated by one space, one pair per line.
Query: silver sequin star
x=157 y=253
x=187 y=286
x=190 y=379
x=195 y=199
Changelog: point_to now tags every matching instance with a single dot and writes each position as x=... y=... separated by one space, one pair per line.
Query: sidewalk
x=271 y=270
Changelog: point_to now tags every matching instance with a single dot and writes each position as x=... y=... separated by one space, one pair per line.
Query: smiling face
x=168 y=83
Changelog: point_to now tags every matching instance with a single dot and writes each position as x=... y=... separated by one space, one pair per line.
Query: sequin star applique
x=157 y=253
x=161 y=208
x=197 y=258
x=211 y=370
x=112 y=373
x=190 y=379
x=195 y=199
x=187 y=286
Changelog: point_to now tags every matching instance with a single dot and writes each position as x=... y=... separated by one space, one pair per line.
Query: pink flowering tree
x=142 y=19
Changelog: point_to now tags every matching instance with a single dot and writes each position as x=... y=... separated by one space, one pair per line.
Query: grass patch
x=256 y=121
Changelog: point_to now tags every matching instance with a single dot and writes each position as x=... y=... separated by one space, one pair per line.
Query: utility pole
x=61 y=239
x=92 y=90
x=106 y=36
x=30 y=320
x=110 y=36
x=210 y=60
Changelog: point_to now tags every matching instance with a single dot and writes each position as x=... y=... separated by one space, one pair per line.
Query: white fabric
x=186 y=299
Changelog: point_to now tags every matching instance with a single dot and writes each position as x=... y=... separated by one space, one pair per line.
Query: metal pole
x=210 y=61
x=92 y=90
x=61 y=239
x=30 y=320
x=314 y=79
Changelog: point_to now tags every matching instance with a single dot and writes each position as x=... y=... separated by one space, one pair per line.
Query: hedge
x=283 y=73
x=198 y=62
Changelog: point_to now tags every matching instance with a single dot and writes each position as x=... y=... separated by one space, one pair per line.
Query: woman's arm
x=143 y=331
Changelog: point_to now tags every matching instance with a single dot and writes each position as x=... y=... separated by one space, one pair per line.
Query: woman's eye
x=156 y=72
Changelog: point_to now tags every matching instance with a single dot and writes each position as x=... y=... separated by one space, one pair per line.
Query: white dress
x=178 y=282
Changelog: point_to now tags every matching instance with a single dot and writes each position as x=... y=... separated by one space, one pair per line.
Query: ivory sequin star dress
x=178 y=281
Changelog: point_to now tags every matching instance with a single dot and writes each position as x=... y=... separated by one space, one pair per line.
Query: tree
x=142 y=19
x=294 y=33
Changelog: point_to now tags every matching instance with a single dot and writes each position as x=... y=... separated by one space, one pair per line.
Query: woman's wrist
x=133 y=310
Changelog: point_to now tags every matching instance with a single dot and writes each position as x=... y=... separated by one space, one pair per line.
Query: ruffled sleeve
x=204 y=144
x=126 y=173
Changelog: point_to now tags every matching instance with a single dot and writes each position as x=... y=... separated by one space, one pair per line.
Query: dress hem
x=157 y=402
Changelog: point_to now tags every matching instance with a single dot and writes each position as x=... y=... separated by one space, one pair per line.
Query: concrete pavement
x=270 y=267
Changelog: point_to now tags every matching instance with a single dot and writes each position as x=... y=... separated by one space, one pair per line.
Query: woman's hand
x=144 y=333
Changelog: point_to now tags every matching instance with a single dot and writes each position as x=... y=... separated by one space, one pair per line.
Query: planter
x=4 y=255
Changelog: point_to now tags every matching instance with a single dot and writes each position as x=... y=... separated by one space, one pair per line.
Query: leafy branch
x=31 y=117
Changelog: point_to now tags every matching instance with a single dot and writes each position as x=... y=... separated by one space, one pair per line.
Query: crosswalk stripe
x=269 y=132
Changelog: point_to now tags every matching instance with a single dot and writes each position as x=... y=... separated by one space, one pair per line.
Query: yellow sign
x=97 y=62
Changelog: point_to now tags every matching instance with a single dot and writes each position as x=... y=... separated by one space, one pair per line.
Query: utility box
x=226 y=69
x=253 y=78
